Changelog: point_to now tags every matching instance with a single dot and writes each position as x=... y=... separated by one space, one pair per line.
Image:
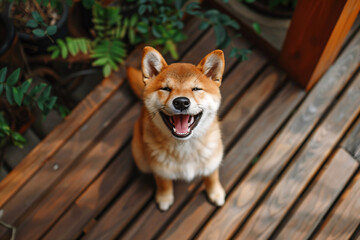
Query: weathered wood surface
x=344 y=218
x=327 y=187
x=304 y=166
x=40 y=218
x=272 y=161
x=352 y=142
x=237 y=161
x=56 y=139
x=65 y=158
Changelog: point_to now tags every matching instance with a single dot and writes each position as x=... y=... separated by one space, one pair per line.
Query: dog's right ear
x=152 y=63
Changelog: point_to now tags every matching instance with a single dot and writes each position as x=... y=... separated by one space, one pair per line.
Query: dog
x=177 y=136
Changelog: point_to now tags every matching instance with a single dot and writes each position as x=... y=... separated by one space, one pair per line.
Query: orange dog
x=178 y=134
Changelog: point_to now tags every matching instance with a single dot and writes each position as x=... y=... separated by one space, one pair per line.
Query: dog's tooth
x=191 y=120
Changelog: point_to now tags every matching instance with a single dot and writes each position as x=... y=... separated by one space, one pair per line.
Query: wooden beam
x=314 y=39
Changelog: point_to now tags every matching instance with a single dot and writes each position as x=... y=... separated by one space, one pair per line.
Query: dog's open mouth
x=181 y=125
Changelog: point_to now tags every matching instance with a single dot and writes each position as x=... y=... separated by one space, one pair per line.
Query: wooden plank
x=65 y=157
x=55 y=140
x=303 y=168
x=315 y=37
x=239 y=78
x=51 y=207
x=105 y=229
x=275 y=157
x=322 y=195
x=250 y=103
x=352 y=141
x=94 y=198
x=344 y=218
x=237 y=161
x=193 y=32
x=204 y=46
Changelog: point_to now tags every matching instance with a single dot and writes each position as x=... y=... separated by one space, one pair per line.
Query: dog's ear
x=152 y=63
x=213 y=65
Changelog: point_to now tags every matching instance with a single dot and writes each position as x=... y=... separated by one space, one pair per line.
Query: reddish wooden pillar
x=316 y=33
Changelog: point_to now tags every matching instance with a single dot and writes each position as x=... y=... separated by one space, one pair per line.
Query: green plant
x=18 y=94
x=40 y=28
x=7 y=134
x=155 y=22
x=37 y=15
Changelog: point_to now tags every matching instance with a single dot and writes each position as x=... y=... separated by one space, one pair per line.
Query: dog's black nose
x=181 y=103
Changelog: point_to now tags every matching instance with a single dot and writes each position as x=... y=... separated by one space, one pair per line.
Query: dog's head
x=182 y=99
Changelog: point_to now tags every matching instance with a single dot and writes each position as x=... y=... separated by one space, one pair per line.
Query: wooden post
x=316 y=34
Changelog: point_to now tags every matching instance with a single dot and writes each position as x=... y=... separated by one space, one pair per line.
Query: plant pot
x=262 y=7
x=79 y=21
x=10 y=54
x=273 y=29
x=38 y=45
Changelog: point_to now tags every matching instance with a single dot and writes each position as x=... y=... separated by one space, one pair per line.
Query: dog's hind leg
x=137 y=148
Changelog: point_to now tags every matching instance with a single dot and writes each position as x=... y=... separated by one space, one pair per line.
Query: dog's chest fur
x=187 y=159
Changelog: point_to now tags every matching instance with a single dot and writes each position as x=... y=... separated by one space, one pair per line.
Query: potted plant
x=9 y=46
x=38 y=23
x=17 y=98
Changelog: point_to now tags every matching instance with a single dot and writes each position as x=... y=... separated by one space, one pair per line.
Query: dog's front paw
x=217 y=195
x=164 y=201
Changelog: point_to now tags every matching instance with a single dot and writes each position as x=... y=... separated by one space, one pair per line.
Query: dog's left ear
x=213 y=65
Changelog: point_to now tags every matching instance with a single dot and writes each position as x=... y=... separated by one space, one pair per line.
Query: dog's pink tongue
x=181 y=123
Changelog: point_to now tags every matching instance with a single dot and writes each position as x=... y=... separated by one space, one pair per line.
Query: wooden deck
x=291 y=168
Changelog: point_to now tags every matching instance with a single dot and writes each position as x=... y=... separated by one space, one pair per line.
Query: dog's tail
x=135 y=81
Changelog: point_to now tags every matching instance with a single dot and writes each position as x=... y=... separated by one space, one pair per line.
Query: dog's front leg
x=164 y=193
x=215 y=191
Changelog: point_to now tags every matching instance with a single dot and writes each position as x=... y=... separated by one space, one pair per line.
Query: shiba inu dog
x=177 y=135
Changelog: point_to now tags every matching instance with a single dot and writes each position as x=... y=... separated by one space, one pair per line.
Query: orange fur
x=159 y=146
x=136 y=82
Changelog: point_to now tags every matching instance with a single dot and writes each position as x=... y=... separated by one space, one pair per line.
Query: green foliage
x=72 y=46
x=242 y=53
x=40 y=28
x=256 y=27
x=6 y=134
x=19 y=94
x=22 y=94
x=108 y=54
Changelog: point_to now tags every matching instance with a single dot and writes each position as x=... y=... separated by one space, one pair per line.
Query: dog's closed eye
x=166 y=89
x=196 y=89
